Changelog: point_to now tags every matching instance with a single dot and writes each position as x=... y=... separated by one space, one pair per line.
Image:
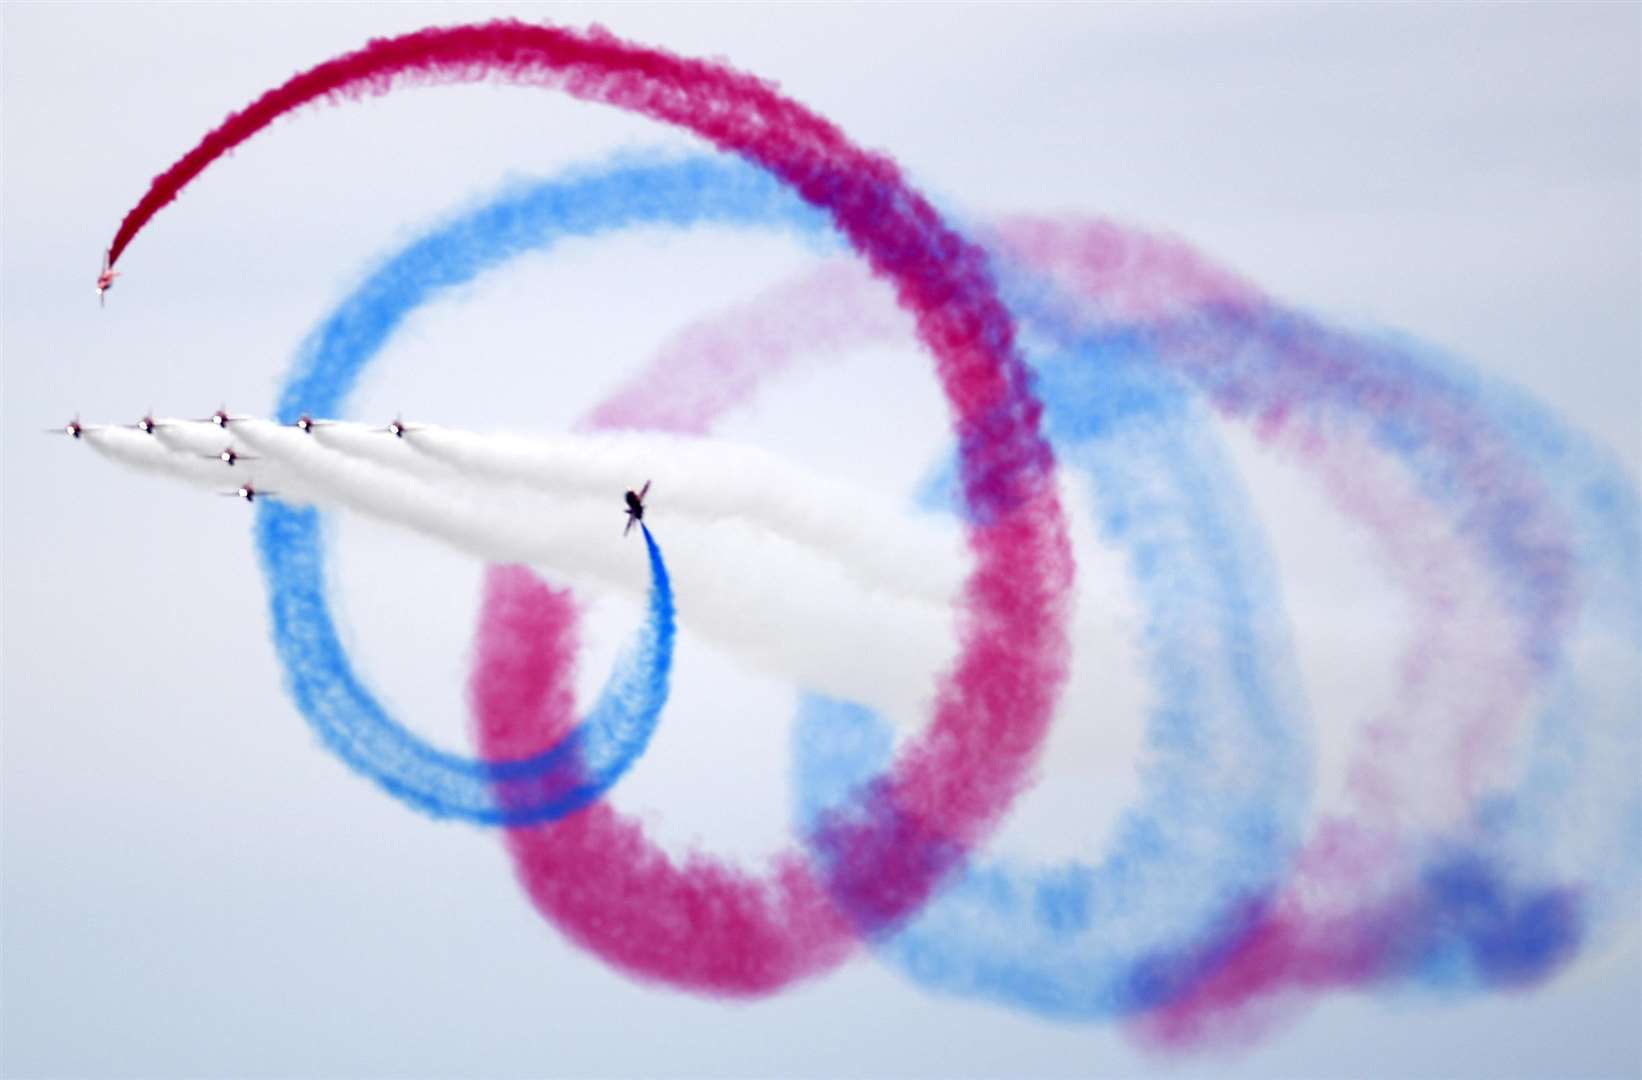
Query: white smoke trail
x=871 y=620
x=741 y=582
x=187 y=450
x=870 y=537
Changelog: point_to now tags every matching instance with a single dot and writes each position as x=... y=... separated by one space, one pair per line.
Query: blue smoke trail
x=1190 y=518
x=1496 y=904
x=1546 y=859
x=1222 y=821
x=526 y=218
x=351 y=722
x=335 y=701
x=1226 y=779
x=1224 y=785
x=1586 y=748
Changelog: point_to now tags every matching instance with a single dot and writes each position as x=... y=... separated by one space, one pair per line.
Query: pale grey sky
x=189 y=885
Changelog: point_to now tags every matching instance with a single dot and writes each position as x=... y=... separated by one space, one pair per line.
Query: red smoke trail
x=939 y=276
x=992 y=712
x=1354 y=909
x=713 y=365
x=524 y=654
x=1361 y=907
x=593 y=871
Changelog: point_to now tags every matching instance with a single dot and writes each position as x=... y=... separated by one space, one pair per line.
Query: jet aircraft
x=229 y=456
x=73 y=429
x=222 y=418
x=246 y=492
x=105 y=280
x=398 y=428
x=635 y=507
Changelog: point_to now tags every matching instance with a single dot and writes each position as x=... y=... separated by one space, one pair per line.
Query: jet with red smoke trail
x=105 y=280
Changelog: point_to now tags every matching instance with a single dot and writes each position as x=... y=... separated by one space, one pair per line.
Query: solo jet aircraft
x=635 y=507
x=105 y=280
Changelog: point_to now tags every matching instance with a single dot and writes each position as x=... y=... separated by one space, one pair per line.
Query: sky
x=189 y=885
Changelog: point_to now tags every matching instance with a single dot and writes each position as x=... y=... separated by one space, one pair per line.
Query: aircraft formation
x=633 y=501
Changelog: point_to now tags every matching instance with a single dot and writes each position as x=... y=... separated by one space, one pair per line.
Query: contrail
x=712 y=365
x=1493 y=901
x=553 y=780
x=948 y=788
x=542 y=786
x=698 y=481
x=187 y=452
x=1370 y=902
x=1426 y=762
x=791 y=608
